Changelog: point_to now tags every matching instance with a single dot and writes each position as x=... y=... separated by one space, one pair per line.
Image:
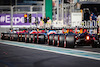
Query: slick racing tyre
x=35 y=38
x=41 y=39
x=99 y=41
x=2 y=36
x=61 y=40
x=19 y=38
x=28 y=38
x=7 y=36
x=94 y=45
x=70 y=41
x=13 y=37
x=55 y=39
x=23 y=38
x=50 y=39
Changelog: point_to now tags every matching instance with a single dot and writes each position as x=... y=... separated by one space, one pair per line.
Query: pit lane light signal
x=25 y=18
x=30 y=18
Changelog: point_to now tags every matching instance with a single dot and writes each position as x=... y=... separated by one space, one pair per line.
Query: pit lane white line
x=54 y=49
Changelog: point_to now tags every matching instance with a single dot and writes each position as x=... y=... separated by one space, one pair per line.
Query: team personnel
x=45 y=21
x=48 y=22
x=41 y=23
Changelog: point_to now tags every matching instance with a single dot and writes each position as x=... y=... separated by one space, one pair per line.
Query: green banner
x=48 y=8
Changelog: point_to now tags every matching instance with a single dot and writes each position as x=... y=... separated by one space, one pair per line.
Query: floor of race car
x=20 y=54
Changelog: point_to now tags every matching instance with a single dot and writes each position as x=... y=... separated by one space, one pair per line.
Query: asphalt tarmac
x=88 y=48
x=15 y=56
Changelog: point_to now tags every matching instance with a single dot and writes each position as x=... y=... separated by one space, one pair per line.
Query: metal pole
x=16 y=5
x=62 y=11
x=57 y=11
x=43 y=9
x=16 y=2
x=11 y=2
x=66 y=15
x=36 y=19
x=11 y=16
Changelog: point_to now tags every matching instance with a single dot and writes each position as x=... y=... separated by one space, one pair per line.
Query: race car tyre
x=7 y=37
x=55 y=40
x=70 y=41
x=11 y=35
x=27 y=38
x=99 y=41
x=30 y=39
x=19 y=37
x=41 y=39
x=35 y=38
x=50 y=39
x=2 y=36
x=98 y=46
x=23 y=38
x=94 y=45
x=61 y=40
x=50 y=42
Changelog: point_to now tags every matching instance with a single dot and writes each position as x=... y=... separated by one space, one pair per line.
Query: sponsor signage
x=18 y=19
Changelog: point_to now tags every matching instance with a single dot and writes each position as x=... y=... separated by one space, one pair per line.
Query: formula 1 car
x=86 y=39
x=31 y=37
x=5 y=36
x=8 y=35
x=13 y=36
x=72 y=39
x=62 y=40
x=36 y=37
x=21 y=35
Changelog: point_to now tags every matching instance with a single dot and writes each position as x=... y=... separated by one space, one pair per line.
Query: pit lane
x=19 y=56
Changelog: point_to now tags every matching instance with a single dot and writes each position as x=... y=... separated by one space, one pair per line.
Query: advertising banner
x=18 y=19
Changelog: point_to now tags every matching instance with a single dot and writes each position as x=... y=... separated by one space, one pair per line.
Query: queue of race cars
x=61 y=37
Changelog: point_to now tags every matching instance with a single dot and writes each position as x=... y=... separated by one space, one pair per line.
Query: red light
x=87 y=37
